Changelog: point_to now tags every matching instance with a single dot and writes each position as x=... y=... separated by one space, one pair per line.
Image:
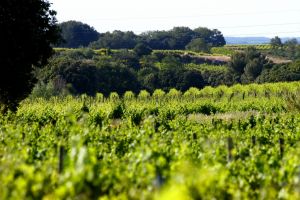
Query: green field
x=228 y=50
x=239 y=142
x=245 y=46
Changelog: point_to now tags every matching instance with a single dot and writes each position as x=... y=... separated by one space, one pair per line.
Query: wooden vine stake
x=253 y=140
x=23 y=136
x=281 y=146
x=61 y=159
x=229 y=148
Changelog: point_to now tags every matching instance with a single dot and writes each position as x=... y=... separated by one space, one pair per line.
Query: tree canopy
x=180 y=37
x=198 y=44
x=28 y=28
x=176 y=38
x=213 y=37
x=249 y=64
x=276 y=42
x=116 y=40
x=142 y=49
x=290 y=49
x=76 y=34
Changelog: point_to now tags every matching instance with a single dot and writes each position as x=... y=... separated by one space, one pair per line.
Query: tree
x=281 y=72
x=213 y=37
x=171 y=62
x=159 y=39
x=198 y=44
x=252 y=70
x=142 y=49
x=89 y=76
x=191 y=78
x=117 y=78
x=28 y=28
x=179 y=78
x=82 y=75
x=291 y=42
x=76 y=34
x=291 y=48
x=116 y=40
x=182 y=36
x=249 y=64
x=276 y=42
x=148 y=77
x=238 y=62
x=127 y=58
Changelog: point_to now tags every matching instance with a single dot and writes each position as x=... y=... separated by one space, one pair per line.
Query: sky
x=238 y=18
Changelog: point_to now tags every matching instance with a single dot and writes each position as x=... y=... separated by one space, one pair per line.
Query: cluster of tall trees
x=280 y=73
x=289 y=49
x=249 y=64
x=84 y=71
x=252 y=66
x=87 y=71
x=77 y=34
x=184 y=37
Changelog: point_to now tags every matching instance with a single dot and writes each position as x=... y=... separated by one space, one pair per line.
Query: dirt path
x=275 y=60
x=216 y=58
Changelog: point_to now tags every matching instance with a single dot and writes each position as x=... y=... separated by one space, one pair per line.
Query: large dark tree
x=76 y=34
x=182 y=36
x=276 y=42
x=28 y=28
x=213 y=37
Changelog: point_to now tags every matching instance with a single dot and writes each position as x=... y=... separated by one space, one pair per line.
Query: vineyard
x=207 y=67
x=239 y=142
x=228 y=50
x=245 y=46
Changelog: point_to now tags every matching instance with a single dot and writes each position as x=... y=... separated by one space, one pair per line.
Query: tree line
x=77 y=34
x=86 y=71
x=289 y=49
x=83 y=71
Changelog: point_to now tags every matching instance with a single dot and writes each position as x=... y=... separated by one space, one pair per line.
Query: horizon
x=233 y=18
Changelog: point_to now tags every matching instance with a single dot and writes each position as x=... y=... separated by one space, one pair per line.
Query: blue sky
x=232 y=17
